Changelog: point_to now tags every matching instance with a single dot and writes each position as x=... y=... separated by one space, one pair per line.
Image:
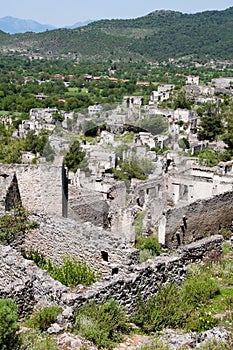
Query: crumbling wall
x=42 y=187
x=90 y=207
x=197 y=220
x=22 y=280
x=57 y=237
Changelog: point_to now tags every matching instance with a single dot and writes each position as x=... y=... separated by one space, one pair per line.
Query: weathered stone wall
x=197 y=220
x=42 y=187
x=23 y=280
x=90 y=208
x=57 y=237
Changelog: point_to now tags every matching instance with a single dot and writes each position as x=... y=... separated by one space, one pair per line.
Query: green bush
x=151 y=243
x=185 y=307
x=71 y=273
x=138 y=223
x=149 y=247
x=226 y=248
x=145 y=255
x=200 y=320
x=42 y=319
x=199 y=287
x=103 y=324
x=8 y=324
x=163 y=310
x=226 y=233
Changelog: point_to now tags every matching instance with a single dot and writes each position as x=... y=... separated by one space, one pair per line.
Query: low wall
x=23 y=280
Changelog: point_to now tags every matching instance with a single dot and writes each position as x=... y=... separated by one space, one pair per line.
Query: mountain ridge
x=157 y=36
x=14 y=25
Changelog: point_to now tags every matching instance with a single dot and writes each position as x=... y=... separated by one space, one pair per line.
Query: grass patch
x=127 y=137
x=35 y=340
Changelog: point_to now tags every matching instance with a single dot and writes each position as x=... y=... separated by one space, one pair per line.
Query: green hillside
x=159 y=35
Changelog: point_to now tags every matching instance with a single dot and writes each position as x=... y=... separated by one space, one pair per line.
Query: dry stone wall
x=57 y=237
x=198 y=220
x=42 y=187
x=22 y=280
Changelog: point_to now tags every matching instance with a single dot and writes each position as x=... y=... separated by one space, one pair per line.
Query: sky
x=67 y=12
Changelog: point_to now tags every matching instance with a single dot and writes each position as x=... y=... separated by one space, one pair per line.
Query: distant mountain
x=159 y=35
x=14 y=25
x=79 y=24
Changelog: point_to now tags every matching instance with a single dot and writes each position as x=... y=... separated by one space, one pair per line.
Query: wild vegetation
x=104 y=324
x=15 y=223
x=203 y=301
x=157 y=36
x=71 y=272
x=208 y=290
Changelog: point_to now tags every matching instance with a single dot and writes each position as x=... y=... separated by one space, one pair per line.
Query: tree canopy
x=74 y=156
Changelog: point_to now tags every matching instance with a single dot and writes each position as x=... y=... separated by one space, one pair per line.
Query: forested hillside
x=158 y=36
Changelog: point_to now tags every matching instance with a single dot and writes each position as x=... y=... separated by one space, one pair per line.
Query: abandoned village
x=91 y=215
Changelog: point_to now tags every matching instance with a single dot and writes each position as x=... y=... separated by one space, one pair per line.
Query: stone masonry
x=195 y=221
x=42 y=187
x=23 y=280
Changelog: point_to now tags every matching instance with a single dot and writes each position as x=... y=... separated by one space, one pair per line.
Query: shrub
x=185 y=307
x=42 y=319
x=199 y=287
x=145 y=255
x=8 y=324
x=163 y=310
x=71 y=273
x=149 y=247
x=226 y=233
x=151 y=243
x=138 y=223
x=103 y=324
x=200 y=320
x=226 y=248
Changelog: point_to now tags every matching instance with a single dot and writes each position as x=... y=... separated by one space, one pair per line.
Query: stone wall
x=23 y=280
x=195 y=221
x=57 y=237
x=42 y=187
x=90 y=207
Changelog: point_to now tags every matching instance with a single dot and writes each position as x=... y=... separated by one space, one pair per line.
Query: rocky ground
x=173 y=338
